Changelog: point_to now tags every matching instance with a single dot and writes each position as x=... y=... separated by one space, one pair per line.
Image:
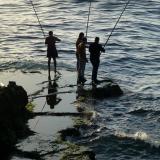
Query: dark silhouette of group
x=95 y=50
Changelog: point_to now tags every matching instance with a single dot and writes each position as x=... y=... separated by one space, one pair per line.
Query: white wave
x=139 y=135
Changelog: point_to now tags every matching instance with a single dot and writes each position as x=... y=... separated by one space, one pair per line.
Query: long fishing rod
x=88 y=17
x=37 y=17
x=117 y=22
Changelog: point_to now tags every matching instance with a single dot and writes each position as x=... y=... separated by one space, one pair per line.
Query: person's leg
x=55 y=65
x=83 y=69
x=97 y=68
x=95 y=71
x=79 y=72
x=77 y=61
x=49 y=62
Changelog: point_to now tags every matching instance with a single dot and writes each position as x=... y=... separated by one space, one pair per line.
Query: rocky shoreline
x=15 y=112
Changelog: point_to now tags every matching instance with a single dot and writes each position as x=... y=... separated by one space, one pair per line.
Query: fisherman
x=81 y=50
x=95 y=50
x=79 y=40
x=51 y=50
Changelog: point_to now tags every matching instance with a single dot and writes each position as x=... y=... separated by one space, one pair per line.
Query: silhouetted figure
x=95 y=50
x=79 y=40
x=81 y=50
x=52 y=100
x=51 y=50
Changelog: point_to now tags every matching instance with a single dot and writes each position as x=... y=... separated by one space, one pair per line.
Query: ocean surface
x=129 y=126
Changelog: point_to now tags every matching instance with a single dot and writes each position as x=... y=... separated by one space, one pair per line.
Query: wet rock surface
x=75 y=105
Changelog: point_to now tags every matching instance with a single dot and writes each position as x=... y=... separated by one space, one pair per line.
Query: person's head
x=50 y=33
x=81 y=35
x=97 y=40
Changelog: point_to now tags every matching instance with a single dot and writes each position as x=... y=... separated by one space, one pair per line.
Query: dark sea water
x=129 y=126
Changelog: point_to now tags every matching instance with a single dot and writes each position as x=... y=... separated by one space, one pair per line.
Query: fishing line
x=88 y=17
x=51 y=94
x=117 y=22
x=37 y=17
x=41 y=111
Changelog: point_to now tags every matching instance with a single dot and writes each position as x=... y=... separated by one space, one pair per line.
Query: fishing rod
x=37 y=17
x=50 y=94
x=117 y=22
x=88 y=18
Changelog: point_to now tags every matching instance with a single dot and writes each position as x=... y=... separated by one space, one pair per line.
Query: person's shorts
x=52 y=53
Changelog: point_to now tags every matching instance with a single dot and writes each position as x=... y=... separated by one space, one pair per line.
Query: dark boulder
x=13 y=116
x=104 y=89
x=69 y=132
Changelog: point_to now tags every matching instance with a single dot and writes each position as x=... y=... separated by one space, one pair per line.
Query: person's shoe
x=79 y=80
x=95 y=81
x=83 y=80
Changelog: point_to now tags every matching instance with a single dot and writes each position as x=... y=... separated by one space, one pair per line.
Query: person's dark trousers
x=77 y=65
x=95 y=65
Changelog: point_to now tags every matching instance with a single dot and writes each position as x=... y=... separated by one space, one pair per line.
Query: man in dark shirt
x=95 y=50
x=51 y=50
